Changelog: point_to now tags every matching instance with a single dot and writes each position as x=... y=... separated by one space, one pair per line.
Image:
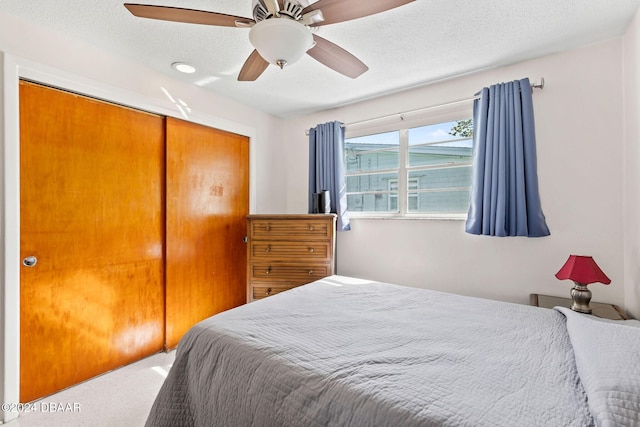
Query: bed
x=349 y=352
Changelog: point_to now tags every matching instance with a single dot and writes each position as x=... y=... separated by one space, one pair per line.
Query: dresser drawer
x=294 y=273
x=309 y=229
x=263 y=291
x=283 y=250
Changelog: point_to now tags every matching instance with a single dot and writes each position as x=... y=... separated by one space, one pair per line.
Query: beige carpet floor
x=122 y=397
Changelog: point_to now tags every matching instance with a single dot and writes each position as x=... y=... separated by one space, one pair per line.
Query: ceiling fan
x=281 y=30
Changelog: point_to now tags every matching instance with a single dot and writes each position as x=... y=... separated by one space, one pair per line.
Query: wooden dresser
x=285 y=251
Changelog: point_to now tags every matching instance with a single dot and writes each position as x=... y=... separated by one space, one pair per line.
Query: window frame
x=433 y=116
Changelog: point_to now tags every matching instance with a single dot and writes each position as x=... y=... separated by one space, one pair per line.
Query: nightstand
x=599 y=309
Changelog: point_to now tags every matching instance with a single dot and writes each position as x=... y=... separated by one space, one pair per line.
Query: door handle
x=29 y=261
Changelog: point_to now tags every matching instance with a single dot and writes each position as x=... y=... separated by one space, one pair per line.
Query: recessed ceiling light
x=183 y=68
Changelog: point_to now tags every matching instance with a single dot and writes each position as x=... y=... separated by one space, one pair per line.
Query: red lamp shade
x=583 y=270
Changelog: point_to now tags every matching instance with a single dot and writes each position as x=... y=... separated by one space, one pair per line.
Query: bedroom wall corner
x=269 y=170
x=631 y=185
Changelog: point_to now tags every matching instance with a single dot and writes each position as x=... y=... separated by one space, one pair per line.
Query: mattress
x=343 y=351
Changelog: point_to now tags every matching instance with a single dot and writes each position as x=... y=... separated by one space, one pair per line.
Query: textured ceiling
x=415 y=44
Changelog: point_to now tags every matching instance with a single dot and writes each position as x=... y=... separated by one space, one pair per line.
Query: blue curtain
x=504 y=188
x=326 y=169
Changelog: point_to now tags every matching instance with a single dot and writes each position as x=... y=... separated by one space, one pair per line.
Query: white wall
x=632 y=167
x=38 y=54
x=579 y=125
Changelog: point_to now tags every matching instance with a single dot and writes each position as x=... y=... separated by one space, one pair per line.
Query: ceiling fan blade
x=253 y=67
x=346 y=10
x=336 y=58
x=191 y=16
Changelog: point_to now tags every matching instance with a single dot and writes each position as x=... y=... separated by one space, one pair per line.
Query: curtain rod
x=534 y=85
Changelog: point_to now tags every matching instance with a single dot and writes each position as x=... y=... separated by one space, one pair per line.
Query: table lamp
x=582 y=270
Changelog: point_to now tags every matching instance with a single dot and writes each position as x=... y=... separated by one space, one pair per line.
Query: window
x=422 y=171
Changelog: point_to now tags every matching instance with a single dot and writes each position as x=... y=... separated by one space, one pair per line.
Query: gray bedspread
x=351 y=352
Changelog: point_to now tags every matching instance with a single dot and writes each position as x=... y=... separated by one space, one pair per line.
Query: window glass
x=373 y=192
x=371 y=182
x=372 y=152
x=442 y=178
x=443 y=202
x=379 y=202
x=439 y=144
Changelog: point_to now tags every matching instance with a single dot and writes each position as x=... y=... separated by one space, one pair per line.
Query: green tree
x=462 y=128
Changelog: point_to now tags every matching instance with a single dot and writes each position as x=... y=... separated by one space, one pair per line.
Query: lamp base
x=581 y=296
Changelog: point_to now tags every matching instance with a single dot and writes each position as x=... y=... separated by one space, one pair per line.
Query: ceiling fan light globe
x=281 y=39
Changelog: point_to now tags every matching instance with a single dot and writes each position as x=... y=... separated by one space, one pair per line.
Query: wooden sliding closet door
x=207 y=202
x=91 y=202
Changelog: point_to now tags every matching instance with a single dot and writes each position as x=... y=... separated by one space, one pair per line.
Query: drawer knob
x=268 y=249
x=311 y=250
x=268 y=270
x=268 y=292
x=268 y=227
x=311 y=228
x=310 y=272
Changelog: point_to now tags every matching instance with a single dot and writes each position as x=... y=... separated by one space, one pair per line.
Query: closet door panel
x=91 y=202
x=207 y=202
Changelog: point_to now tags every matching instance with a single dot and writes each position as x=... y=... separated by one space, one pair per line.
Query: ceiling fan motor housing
x=260 y=13
x=292 y=9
